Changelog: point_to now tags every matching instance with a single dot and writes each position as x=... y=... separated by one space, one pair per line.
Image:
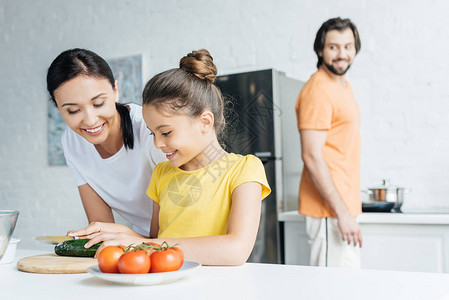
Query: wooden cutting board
x=54 y=264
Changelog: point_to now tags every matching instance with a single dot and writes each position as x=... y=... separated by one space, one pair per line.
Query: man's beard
x=335 y=71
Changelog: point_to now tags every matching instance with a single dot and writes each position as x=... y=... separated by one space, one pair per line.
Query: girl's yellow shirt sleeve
x=253 y=171
x=152 y=190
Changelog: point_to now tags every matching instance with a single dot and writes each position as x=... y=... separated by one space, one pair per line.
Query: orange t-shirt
x=324 y=104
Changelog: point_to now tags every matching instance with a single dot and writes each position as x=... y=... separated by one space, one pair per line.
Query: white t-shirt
x=122 y=179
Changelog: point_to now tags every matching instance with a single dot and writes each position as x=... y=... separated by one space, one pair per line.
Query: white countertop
x=381 y=218
x=250 y=281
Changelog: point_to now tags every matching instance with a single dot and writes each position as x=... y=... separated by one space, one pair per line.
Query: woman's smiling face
x=87 y=105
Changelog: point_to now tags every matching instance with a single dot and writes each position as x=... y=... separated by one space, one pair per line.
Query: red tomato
x=166 y=260
x=152 y=244
x=134 y=262
x=108 y=259
x=180 y=253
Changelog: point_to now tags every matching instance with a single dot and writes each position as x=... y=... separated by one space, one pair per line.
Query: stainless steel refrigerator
x=261 y=121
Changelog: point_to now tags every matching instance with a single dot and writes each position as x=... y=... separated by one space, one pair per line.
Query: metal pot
x=400 y=198
x=387 y=193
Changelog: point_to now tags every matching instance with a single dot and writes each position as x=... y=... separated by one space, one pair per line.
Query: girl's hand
x=115 y=239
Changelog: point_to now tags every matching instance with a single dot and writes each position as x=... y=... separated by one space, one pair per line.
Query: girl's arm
x=233 y=248
x=155 y=220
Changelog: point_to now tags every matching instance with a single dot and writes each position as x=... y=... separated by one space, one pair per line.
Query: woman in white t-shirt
x=107 y=145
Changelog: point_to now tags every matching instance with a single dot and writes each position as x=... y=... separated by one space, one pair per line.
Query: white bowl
x=8 y=220
x=10 y=253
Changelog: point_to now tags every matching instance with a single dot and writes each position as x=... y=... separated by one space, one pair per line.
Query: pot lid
x=385 y=185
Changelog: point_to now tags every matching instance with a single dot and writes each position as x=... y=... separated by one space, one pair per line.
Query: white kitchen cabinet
x=402 y=242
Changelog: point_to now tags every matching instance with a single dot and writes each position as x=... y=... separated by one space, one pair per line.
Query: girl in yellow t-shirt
x=205 y=200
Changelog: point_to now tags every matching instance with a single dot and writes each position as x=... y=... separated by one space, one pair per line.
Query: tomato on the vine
x=108 y=259
x=156 y=245
x=150 y=250
x=165 y=260
x=134 y=262
x=180 y=253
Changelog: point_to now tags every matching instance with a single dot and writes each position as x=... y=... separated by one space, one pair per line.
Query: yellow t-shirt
x=324 y=104
x=198 y=203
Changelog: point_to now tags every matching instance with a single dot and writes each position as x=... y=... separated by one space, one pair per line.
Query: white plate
x=146 y=279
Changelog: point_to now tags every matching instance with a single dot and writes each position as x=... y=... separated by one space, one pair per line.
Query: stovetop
x=427 y=211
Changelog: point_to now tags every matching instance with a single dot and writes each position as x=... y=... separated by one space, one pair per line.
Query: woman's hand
x=96 y=228
x=111 y=234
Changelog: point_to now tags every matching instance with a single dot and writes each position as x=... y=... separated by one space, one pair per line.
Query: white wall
x=399 y=78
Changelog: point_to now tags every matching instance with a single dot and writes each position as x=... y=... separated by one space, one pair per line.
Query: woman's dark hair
x=334 y=24
x=189 y=88
x=75 y=62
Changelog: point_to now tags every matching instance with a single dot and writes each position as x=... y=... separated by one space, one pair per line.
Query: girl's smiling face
x=182 y=138
x=87 y=105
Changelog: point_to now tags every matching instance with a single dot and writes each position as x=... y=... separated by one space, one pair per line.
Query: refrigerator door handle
x=263 y=154
x=266 y=156
x=267 y=159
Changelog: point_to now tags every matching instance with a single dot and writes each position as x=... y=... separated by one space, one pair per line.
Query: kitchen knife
x=56 y=239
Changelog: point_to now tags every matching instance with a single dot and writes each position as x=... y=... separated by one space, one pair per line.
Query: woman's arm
x=99 y=215
x=96 y=209
x=233 y=248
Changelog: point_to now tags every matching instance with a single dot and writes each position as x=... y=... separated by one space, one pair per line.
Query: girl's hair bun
x=200 y=63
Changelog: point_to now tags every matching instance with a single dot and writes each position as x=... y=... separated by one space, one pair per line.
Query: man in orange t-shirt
x=329 y=125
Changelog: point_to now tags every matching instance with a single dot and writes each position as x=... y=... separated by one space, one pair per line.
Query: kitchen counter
x=250 y=281
x=382 y=218
x=391 y=241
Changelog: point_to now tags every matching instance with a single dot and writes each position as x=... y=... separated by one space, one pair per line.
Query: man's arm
x=312 y=142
